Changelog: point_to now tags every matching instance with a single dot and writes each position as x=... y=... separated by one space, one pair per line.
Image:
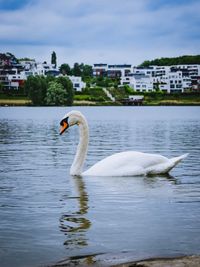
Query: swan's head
x=73 y=117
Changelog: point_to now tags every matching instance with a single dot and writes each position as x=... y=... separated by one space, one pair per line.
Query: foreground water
x=47 y=215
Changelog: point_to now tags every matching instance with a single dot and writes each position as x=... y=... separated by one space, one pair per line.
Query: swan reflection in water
x=123 y=191
x=74 y=224
x=151 y=179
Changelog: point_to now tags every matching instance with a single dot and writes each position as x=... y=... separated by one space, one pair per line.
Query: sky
x=100 y=31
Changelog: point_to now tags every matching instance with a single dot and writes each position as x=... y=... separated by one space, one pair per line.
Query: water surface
x=47 y=215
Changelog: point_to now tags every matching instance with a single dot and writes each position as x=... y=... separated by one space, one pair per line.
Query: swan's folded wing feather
x=125 y=164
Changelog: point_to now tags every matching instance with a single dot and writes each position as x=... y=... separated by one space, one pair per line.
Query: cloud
x=90 y=31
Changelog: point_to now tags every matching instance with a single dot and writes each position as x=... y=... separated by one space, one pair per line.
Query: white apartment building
x=161 y=70
x=193 y=70
x=153 y=71
x=99 y=69
x=44 y=68
x=119 y=70
x=112 y=70
x=187 y=83
x=15 y=79
x=77 y=82
x=145 y=71
x=139 y=82
x=172 y=82
x=169 y=79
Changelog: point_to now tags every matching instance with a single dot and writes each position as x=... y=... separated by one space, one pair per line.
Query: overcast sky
x=94 y=31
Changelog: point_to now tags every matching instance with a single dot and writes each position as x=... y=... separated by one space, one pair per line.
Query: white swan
x=127 y=163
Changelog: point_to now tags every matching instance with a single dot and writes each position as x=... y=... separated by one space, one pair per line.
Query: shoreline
x=27 y=103
x=128 y=260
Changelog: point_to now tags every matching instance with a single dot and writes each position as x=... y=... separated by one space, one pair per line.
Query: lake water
x=46 y=215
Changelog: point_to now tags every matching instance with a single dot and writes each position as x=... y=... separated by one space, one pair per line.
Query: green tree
x=53 y=58
x=68 y=86
x=35 y=87
x=56 y=94
x=165 y=61
x=77 y=70
x=65 y=69
x=129 y=90
x=86 y=71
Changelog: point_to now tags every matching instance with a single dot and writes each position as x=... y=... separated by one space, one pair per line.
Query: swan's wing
x=125 y=164
x=166 y=166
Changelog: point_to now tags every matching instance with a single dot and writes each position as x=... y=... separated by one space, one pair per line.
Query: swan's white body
x=127 y=163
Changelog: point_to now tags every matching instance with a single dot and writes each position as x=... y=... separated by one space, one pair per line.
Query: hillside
x=166 y=61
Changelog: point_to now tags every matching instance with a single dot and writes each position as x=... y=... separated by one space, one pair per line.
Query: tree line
x=49 y=90
x=82 y=70
x=166 y=61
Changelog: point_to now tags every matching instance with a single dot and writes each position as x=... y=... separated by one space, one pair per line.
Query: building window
x=76 y=85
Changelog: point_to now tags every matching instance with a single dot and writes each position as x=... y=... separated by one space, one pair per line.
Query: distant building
x=111 y=71
x=172 y=82
x=11 y=77
x=99 y=70
x=16 y=79
x=169 y=79
x=14 y=74
x=139 y=82
x=117 y=71
x=77 y=82
x=7 y=59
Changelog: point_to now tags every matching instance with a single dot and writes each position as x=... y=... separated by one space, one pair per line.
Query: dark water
x=46 y=215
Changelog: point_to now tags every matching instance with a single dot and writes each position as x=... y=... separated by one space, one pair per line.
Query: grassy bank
x=183 y=99
x=15 y=102
x=96 y=97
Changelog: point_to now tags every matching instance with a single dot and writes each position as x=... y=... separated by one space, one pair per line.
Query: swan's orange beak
x=63 y=127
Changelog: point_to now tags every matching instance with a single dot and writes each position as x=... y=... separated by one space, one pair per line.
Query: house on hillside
x=99 y=70
x=77 y=82
x=139 y=82
x=111 y=70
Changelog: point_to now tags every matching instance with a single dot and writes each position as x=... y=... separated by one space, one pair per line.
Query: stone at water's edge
x=103 y=261
x=187 y=261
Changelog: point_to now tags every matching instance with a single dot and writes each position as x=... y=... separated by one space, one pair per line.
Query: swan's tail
x=173 y=162
x=176 y=160
x=167 y=166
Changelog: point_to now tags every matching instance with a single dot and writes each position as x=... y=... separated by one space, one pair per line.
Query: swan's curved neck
x=77 y=165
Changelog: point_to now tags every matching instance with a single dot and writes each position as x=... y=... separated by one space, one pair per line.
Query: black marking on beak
x=64 y=125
